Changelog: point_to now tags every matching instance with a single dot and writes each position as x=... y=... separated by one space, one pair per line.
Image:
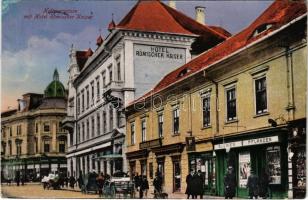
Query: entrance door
x=176 y=176
x=161 y=169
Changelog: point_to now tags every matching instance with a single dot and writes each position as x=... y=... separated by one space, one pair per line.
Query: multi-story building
x=149 y=42
x=240 y=104
x=32 y=140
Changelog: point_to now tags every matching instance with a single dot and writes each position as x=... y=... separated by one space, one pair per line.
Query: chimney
x=172 y=4
x=200 y=15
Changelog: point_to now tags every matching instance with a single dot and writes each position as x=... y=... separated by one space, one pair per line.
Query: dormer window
x=183 y=72
x=261 y=29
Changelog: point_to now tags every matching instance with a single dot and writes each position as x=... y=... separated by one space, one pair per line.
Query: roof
x=53 y=103
x=155 y=16
x=278 y=14
x=81 y=57
x=55 y=88
x=8 y=113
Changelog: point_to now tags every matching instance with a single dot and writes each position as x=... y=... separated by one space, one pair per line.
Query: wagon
x=90 y=183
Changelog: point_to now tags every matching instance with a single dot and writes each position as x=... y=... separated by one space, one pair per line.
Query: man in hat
x=230 y=183
x=252 y=185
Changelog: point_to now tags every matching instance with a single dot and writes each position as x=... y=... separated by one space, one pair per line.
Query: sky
x=33 y=46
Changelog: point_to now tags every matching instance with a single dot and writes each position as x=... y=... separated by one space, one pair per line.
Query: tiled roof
x=278 y=14
x=82 y=58
x=221 y=30
x=49 y=103
x=155 y=16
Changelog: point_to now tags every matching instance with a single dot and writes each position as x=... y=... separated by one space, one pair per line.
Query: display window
x=244 y=168
x=273 y=164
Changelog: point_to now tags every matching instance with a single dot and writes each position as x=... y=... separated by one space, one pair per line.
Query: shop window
x=273 y=164
x=231 y=104
x=176 y=176
x=261 y=99
x=46 y=126
x=176 y=121
x=132 y=130
x=244 y=168
x=161 y=168
x=160 y=125
x=46 y=146
x=62 y=146
x=206 y=110
x=143 y=130
x=300 y=164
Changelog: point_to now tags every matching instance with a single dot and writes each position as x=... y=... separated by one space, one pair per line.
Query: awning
x=110 y=157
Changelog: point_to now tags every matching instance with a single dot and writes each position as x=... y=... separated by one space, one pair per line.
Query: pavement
x=35 y=190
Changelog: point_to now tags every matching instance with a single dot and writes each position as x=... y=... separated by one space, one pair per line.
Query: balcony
x=113 y=86
x=68 y=123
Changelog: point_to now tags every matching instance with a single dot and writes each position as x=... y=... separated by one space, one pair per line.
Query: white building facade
x=101 y=83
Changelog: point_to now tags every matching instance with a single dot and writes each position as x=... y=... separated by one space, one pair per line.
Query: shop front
x=258 y=153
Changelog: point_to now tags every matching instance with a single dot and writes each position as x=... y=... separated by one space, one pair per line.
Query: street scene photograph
x=153 y=99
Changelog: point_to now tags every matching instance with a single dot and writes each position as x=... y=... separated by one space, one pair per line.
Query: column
x=108 y=167
x=68 y=165
x=75 y=167
x=102 y=165
x=81 y=165
x=54 y=136
x=91 y=163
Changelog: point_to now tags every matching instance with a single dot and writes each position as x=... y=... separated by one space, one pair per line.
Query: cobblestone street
x=37 y=191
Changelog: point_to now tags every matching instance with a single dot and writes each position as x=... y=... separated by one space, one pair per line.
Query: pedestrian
x=264 y=183
x=157 y=183
x=80 y=180
x=72 y=181
x=23 y=178
x=252 y=185
x=189 y=179
x=137 y=181
x=17 y=177
x=100 y=183
x=230 y=183
x=145 y=185
x=199 y=180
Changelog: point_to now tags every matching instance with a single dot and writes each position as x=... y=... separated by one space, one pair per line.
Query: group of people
x=141 y=185
x=194 y=183
x=257 y=186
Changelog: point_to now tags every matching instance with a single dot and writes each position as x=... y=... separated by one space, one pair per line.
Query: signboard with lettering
x=150 y=144
x=152 y=63
x=228 y=145
x=264 y=140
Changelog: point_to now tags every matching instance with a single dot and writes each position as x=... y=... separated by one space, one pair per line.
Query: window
x=160 y=124
x=62 y=146
x=98 y=124
x=78 y=104
x=82 y=101
x=104 y=122
x=83 y=131
x=132 y=130
x=206 y=110
x=143 y=130
x=110 y=73
x=18 y=148
x=92 y=91
x=10 y=130
x=104 y=80
x=10 y=147
x=36 y=127
x=118 y=118
x=93 y=126
x=118 y=68
x=36 y=145
x=18 y=129
x=231 y=104
x=97 y=88
x=46 y=126
x=88 y=130
x=88 y=97
x=261 y=101
x=273 y=158
x=111 y=117
x=46 y=146
x=176 y=121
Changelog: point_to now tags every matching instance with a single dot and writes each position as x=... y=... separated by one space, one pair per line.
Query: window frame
x=46 y=122
x=227 y=89
x=206 y=113
x=255 y=79
x=133 y=133
x=143 y=130
x=61 y=142
x=160 y=120
x=176 y=110
x=45 y=142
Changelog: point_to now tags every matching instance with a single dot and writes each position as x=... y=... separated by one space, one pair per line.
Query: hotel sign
x=159 y=52
x=250 y=142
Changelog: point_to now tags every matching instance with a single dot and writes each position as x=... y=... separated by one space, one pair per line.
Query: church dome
x=55 y=88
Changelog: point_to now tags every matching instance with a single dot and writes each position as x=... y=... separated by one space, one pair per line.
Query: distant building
x=149 y=42
x=241 y=104
x=32 y=140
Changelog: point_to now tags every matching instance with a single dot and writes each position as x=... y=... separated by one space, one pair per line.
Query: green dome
x=55 y=88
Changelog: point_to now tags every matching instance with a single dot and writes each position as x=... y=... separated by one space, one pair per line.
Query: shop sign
x=190 y=144
x=150 y=144
x=257 y=141
x=228 y=145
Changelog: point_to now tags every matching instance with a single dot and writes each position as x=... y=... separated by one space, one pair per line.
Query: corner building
x=240 y=104
x=149 y=42
x=32 y=140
